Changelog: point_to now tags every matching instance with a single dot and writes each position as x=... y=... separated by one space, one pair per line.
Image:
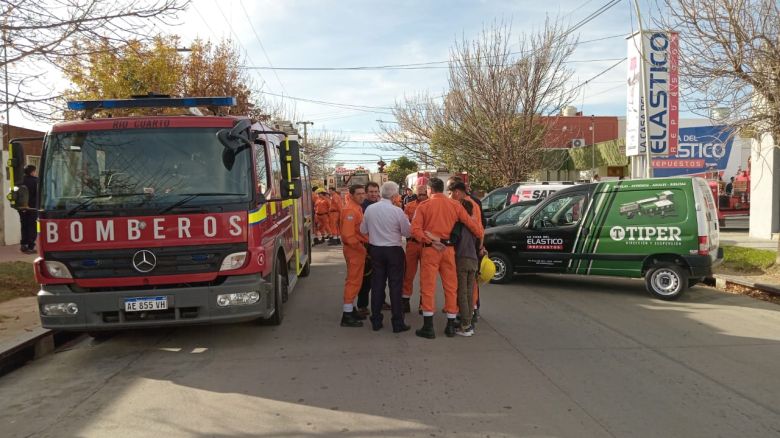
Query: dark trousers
x=388 y=265
x=365 y=289
x=28 y=219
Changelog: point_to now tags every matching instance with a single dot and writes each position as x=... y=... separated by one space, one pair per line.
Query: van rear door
x=706 y=218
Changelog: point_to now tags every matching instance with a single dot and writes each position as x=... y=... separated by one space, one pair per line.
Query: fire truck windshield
x=138 y=170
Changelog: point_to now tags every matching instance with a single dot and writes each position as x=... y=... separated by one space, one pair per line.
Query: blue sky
x=308 y=33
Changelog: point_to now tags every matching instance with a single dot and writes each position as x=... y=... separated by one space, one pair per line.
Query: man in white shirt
x=385 y=225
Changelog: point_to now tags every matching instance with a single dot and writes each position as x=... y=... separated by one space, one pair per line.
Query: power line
x=252 y=26
x=399 y=67
x=238 y=40
x=365 y=108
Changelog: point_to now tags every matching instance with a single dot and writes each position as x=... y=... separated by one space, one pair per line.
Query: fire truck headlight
x=238 y=299
x=233 y=261
x=57 y=269
x=60 y=309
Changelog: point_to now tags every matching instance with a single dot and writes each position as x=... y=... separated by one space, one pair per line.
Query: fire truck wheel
x=102 y=335
x=307 y=267
x=278 y=316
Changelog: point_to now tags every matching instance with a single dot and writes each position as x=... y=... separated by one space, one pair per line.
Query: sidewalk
x=741 y=238
x=11 y=253
x=20 y=315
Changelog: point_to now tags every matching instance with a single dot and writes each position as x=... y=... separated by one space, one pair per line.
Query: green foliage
x=205 y=70
x=747 y=259
x=608 y=153
x=399 y=168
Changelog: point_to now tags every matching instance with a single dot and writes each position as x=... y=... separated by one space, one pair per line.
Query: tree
x=158 y=66
x=493 y=119
x=319 y=150
x=40 y=34
x=730 y=58
x=399 y=168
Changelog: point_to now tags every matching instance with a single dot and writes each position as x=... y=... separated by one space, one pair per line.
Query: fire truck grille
x=164 y=261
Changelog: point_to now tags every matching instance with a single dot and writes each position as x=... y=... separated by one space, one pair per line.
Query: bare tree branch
x=492 y=120
x=43 y=33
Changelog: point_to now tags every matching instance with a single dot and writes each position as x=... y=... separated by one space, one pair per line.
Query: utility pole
x=592 y=147
x=3 y=129
x=305 y=140
x=305 y=132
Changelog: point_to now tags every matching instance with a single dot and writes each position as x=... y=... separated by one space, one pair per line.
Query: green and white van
x=662 y=229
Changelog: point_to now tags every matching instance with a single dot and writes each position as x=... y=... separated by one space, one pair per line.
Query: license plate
x=145 y=304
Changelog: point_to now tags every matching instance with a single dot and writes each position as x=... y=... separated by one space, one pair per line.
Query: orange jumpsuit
x=438 y=215
x=321 y=207
x=413 y=251
x=353 y=248
x=475 y=215
x=334 y=212
x=397 y=201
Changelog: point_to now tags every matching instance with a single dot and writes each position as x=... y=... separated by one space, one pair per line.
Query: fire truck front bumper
x=238 y=298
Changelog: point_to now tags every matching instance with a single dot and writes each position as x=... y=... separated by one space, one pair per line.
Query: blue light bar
x=153 y=102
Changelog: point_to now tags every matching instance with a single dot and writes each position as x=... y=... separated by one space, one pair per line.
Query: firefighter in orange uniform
x=354 y=253
x=321 y=208
x=457 y=191
x=476 y=214
x=432 y=224
x=336 y=204
x=413 y=248
x=397 y=201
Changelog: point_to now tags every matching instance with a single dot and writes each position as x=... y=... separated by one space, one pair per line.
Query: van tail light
x=514 y=199
x=704 y=247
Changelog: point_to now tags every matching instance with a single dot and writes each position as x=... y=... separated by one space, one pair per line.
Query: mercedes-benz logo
x=144 y=261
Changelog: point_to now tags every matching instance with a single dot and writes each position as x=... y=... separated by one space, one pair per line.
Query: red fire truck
x=169 y=219
x=733 y=204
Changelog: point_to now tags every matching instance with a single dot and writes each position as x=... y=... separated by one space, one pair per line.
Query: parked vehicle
x=497 y=200
x=514 y=214
x=540 y=190
x=166 y=220
x=665 y=230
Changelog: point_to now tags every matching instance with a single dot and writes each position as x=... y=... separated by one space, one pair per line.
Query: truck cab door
x=549 y=234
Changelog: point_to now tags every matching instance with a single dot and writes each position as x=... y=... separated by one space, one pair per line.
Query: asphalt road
x=553 y=356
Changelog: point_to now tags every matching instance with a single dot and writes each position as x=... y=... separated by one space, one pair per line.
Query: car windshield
x=514 y=214
x=141 y=169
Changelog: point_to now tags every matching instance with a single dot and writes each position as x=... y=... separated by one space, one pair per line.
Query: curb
x=30 y=346
x=722 y=282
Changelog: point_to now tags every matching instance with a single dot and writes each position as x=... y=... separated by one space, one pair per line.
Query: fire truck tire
x=666 y=281
x=278 y=316
x=307 y=267
x=101 y=336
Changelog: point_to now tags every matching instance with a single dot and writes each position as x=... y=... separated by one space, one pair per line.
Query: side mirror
x=491 y=222
x=18 y=196
x=290 y=157
x=235 y=137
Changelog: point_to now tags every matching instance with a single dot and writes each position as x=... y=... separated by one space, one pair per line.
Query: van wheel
x=666 y=281
x=278 y=316
x=504 y=269
x=307 y=267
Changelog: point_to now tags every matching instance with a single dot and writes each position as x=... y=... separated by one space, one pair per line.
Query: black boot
x=317 y=241
x=407 y=306
x=451 y=328
x=475 y=316
x=357 y=315
x=427 y=329
x=332 y=242
x=347 y=320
